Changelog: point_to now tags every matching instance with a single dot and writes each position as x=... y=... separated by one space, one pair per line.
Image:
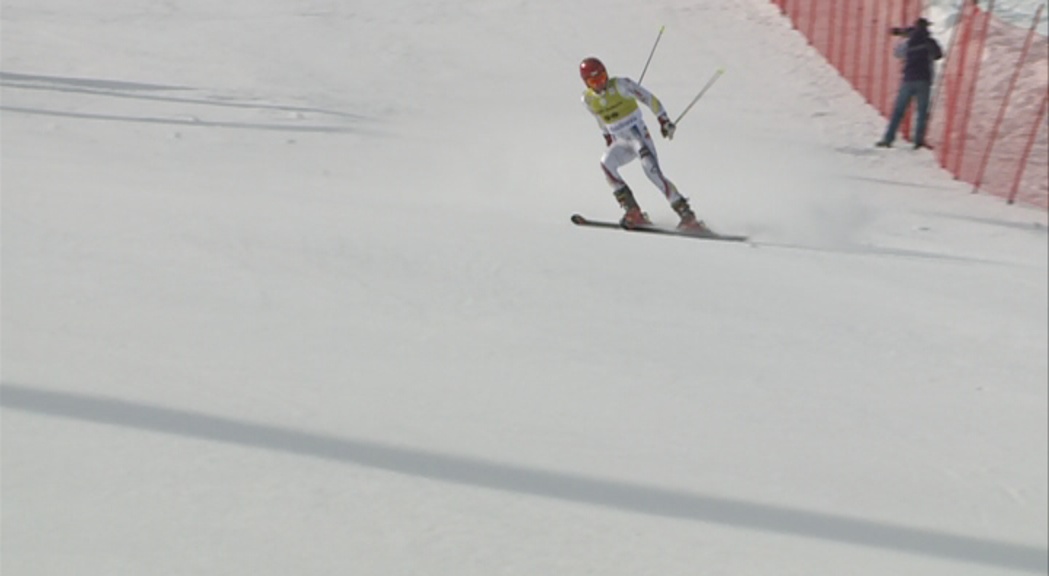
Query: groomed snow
x=291 y=288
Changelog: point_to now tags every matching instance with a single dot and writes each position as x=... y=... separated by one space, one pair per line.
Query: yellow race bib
x=610 y=106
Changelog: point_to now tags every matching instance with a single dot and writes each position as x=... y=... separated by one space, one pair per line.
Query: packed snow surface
x=291 y=288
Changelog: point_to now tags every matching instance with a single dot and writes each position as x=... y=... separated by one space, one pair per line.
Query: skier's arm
x=604 y=131
x=629 y=87
x=600 y=123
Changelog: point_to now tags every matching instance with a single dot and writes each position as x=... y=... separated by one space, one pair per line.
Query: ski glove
x=667 y=127
x=608 y=139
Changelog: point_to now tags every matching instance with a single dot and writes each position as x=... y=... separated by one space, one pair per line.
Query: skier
x=613 y=102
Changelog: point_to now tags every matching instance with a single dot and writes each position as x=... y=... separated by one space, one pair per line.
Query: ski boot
x=689 y=223
x=633 y=217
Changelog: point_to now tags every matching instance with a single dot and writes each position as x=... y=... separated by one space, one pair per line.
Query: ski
x=580 y=220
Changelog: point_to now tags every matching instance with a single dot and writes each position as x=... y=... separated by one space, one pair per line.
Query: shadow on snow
x=155 y=93
x=625 y=496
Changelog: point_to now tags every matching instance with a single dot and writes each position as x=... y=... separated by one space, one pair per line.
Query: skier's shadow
x=630 y=497
x=171 y=94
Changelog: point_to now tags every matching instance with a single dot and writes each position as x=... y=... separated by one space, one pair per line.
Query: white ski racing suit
x=621 y=120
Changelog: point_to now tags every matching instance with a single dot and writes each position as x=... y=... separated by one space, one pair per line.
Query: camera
x=920 y=23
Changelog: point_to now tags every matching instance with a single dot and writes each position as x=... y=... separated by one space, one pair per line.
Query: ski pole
x=710 y=83
x=650 y=54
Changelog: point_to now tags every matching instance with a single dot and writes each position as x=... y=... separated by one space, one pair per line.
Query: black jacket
x=919 y=53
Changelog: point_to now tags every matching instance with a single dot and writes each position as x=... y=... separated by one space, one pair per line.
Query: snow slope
x=290 y=287
x=941 y=13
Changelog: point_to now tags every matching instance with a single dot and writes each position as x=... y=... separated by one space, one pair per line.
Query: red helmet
x=593 y=73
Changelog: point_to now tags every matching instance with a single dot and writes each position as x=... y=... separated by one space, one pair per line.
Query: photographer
x=918 y=52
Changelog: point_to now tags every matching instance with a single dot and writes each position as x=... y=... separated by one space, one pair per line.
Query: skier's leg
x=679 y=203
x=616 y=156
x=650 y=163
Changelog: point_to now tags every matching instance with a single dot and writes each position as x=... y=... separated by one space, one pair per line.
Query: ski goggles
x=597 y=79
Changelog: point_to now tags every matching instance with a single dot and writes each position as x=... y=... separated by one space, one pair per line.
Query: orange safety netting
x=990 y=122
x=989 y=100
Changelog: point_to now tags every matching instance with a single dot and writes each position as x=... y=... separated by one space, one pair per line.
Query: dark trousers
x=917 y=90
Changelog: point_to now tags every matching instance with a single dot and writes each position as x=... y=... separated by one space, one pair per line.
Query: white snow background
x=291 y=288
